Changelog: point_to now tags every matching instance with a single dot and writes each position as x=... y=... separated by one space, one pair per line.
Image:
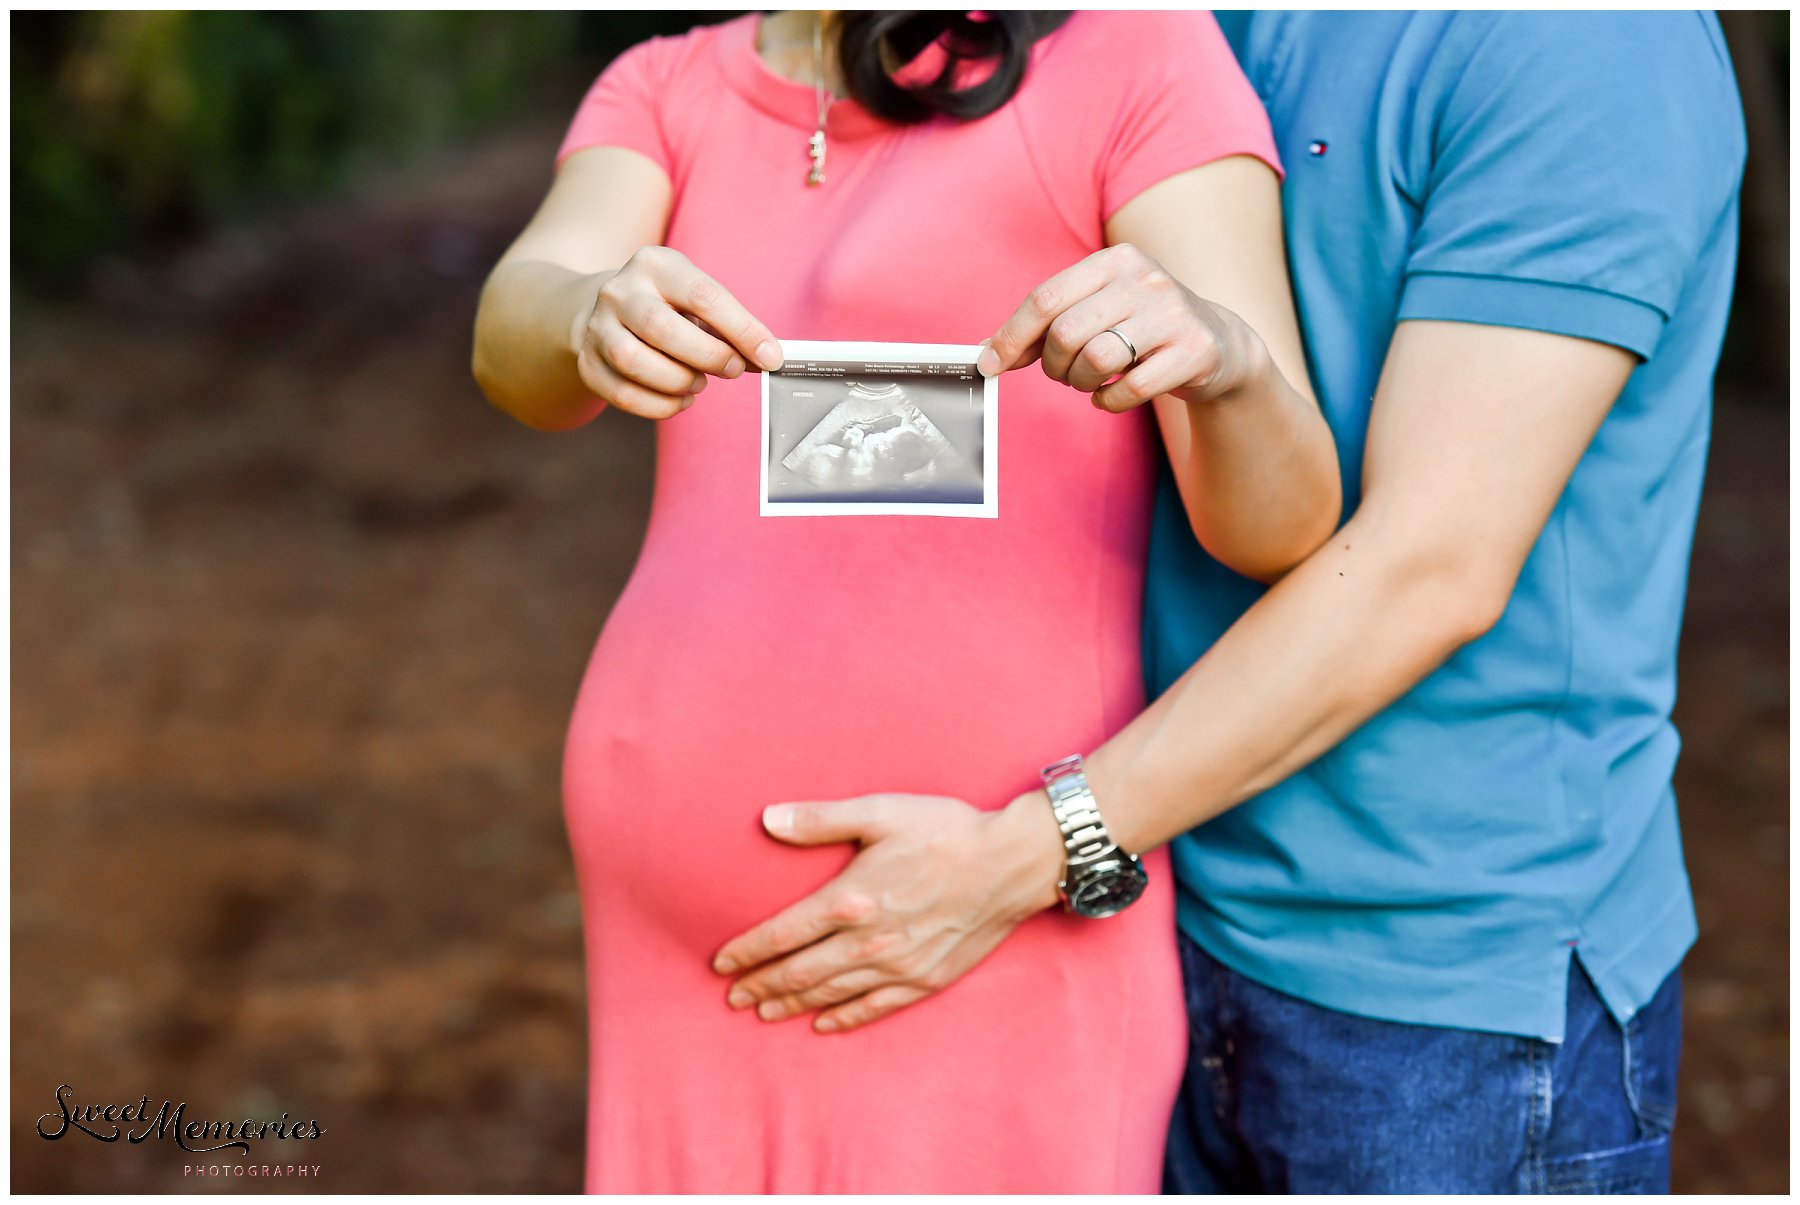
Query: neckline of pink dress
x=784 y=99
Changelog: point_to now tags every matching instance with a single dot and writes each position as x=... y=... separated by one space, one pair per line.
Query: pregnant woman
x=907 y=177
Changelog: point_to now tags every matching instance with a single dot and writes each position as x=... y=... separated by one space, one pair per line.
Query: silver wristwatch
x=1100 y=879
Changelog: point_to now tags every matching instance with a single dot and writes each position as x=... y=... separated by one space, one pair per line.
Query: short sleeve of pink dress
x=623 y=106
x=752 y=660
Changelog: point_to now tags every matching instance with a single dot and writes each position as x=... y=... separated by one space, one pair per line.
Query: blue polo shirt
x=1573 y=172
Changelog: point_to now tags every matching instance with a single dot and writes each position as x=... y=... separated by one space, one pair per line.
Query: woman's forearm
x=527 y=329
x=1258 y=474
x=1251 y=452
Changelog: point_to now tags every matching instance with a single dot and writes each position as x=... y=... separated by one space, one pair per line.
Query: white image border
x=898 y=353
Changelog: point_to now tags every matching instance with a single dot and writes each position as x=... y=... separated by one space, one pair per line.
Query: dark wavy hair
x=869 y=41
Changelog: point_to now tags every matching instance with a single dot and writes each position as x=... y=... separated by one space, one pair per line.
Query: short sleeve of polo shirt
x=1572 y=165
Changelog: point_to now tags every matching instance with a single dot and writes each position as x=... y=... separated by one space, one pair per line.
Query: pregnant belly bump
x=702 y=874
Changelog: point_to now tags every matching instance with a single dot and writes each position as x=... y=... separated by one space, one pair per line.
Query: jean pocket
x=1652 y=1050
x=1642 y=1167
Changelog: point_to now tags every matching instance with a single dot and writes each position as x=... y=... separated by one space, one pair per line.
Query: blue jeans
x=1285 y=1096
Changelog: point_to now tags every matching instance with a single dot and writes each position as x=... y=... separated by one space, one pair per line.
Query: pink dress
x=754 y=660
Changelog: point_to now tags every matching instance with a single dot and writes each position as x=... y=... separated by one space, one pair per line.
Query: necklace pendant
x=815 y=146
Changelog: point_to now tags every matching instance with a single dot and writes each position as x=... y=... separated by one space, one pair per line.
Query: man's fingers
x=834 y=906
x=799 y=925
x=783 y=991
x=680 y=338
x=797 y=972
x=827 y=823
x=692 y=290
x=845 y=987
x=868 y=1008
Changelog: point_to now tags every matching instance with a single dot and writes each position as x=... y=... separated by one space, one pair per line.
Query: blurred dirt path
x=297 y=620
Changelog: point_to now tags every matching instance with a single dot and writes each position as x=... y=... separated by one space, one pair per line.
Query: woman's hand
x=1079 y=323
x=658 y=327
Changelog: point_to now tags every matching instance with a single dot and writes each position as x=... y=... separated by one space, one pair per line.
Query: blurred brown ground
x=297 y=620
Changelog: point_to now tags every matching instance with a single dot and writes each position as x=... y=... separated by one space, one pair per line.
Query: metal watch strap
x=1077 y=814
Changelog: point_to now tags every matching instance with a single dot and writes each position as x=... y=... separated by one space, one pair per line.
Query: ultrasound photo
x=878 y=429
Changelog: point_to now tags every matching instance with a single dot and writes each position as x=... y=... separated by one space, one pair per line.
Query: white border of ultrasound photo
x=899 y=354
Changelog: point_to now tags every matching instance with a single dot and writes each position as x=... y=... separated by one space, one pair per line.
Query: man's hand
x=1473 y=438
x=938 y=885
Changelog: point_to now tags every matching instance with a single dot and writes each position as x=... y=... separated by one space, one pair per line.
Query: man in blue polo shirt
x=1434 y=909
x=1437 y=948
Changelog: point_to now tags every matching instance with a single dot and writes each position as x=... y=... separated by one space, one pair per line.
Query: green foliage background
x=133 y=126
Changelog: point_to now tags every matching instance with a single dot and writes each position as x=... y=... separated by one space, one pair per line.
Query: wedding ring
x=1129 y=345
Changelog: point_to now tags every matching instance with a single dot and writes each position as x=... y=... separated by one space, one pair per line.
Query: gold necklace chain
x=815 y=146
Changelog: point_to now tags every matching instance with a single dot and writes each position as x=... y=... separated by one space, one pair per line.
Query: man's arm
x=1473 y=437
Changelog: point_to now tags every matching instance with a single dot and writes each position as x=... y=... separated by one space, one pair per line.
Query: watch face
x=1110 y=889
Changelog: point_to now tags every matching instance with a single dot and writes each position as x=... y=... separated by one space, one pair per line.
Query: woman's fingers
x=1077 y=326
x=658 y=327
x=622 y=393
x=692 y=291
x=679 y=338
x=1116 y=312
x=637 y=359
x=1108 y=353
x=1104 y=335
x=1157 y=373
x=1021 y=338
